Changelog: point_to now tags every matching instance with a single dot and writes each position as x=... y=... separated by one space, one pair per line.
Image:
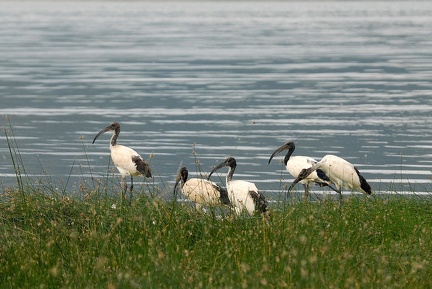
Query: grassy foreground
x=62 y=242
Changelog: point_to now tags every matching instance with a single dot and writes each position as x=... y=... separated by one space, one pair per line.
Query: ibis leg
x=131 y=187
x=123 y=186
x=306 y=194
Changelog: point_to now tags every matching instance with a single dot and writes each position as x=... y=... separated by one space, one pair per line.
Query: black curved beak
x=177 y=181
x=101 y=132
x=221 y=165
x=280 y=149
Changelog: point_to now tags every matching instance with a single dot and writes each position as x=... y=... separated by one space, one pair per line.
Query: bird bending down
x=294 y=165
x=242 y=195
x=127 y=161
x=341 y=172
x=201 y=191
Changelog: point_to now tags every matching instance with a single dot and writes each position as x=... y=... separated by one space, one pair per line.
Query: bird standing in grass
x=294 y=165
x=201 y=191
x=243 y=195
x=127 y=161
x=341 y=172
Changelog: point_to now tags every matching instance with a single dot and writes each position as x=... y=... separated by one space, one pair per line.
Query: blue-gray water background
x=199 y=81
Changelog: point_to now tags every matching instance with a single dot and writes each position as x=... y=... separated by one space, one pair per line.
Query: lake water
x=199 y=81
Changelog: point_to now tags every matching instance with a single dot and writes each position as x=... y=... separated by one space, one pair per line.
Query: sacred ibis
x=201 y=191
x=294 y=165
x=127 y=161
x=243 y=195
x=341 y=172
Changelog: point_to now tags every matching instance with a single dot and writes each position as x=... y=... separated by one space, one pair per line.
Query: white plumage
x=294 y=165
x=243 y=195
x=126 y=160
x=201 y=191
x=341 y=172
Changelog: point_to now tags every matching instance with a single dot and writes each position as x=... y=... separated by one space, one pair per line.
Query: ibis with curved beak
x=127 y=161
x=294 y=165
x=201 y=191
x=341 y=172
x=243 y=195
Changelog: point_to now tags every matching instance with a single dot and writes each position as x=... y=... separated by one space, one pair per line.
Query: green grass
x=65 y=242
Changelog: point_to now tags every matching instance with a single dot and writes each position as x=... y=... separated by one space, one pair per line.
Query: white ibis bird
x=294 y=165
x=127 y=161
x=243 y=195
x=201 y=191
x=341 y=172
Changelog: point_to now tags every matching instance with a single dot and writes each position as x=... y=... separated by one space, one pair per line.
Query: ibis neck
x=183 y=181
x=288 y=155
x=230 y=174
x=114 y=137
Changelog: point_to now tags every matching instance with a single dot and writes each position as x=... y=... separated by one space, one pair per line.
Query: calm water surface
x=196 y=82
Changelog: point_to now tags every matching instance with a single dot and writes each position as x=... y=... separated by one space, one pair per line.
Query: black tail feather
x=363 y=183
x=322 y=175
x=260 y=201
x=142 y=166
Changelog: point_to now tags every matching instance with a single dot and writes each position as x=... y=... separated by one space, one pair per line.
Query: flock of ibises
x=242 y=196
